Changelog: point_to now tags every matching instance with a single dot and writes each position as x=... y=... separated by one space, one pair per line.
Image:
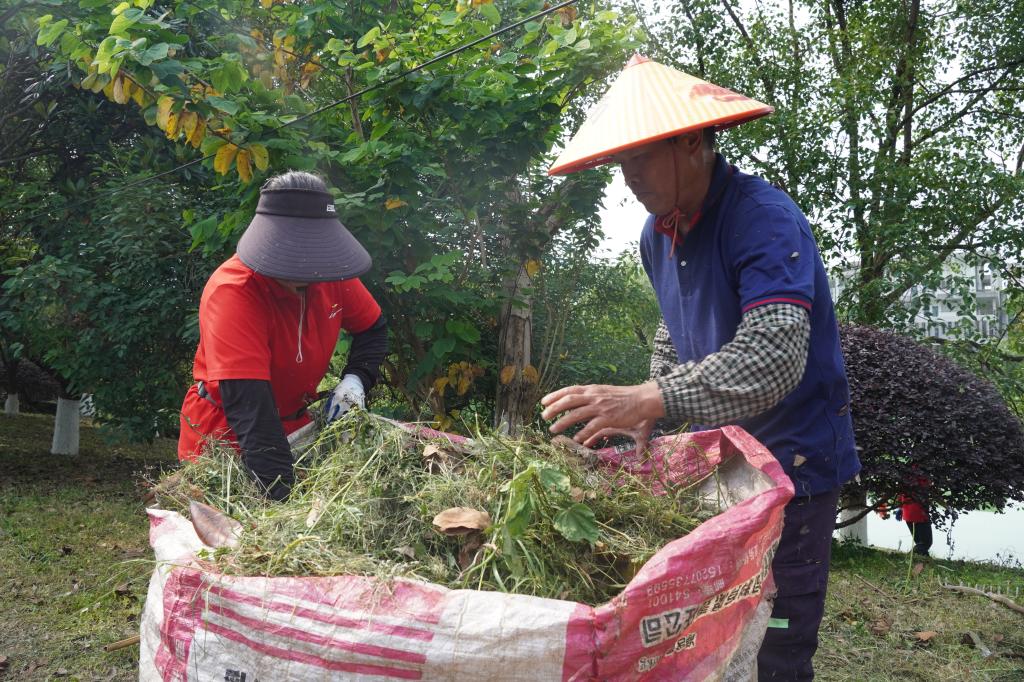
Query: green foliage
x=897 y=128
x=596 y=319
x=928 y=428
x=107 y=313
x=98 y=288
x=439 y=174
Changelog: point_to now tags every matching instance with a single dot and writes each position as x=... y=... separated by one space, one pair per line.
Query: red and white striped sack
x=697 y=610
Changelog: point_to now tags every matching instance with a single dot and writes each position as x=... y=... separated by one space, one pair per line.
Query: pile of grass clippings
x=519 y=515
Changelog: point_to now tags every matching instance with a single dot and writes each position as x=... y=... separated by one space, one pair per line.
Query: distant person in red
x=916 y=517
x=269 y=320
x=915 y=514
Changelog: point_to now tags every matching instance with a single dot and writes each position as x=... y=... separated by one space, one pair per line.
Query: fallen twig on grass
x=876 y=588
x=122 y=644
x=1005 y=601
x=971 y=638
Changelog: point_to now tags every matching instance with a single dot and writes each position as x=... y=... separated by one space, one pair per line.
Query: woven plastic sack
x=697 y=610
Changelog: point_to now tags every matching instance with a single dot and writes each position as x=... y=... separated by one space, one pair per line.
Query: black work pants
x=800 y=568
x=922 y=533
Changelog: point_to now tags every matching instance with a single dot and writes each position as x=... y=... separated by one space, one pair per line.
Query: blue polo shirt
x=752 y=246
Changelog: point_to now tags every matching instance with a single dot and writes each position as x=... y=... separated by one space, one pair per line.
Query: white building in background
x=943 y=309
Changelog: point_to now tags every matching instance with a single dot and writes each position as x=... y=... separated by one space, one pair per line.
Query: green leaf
x=120 y=8
x=225 y=105
x=202 y=231
x=582 y=45
x=104 y=53
x=48 y=32
x=442 y=347
x=448 y=18
x=423 y=330
x=368 y=37
x=521 y=503
x=549 y=47
x=464 y=330
x=125 y=20
x=153 y=53
x=229 y=75
x=553 y=479
x=211 y=143
x=577 y=523
x=167 y=68
x=527 y=38
x=380 y=130
x=490 y=12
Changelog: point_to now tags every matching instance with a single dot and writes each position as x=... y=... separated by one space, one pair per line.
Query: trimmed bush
x=929 y=428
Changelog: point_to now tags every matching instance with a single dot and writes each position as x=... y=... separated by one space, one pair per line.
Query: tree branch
x=998 y=598
x=966 y=109
x=768 y=85
x=966 y=77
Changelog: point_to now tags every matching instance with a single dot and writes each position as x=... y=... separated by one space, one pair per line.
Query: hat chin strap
x=672 y=219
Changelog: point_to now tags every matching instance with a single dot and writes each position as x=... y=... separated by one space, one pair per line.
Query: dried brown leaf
x=508 y=373
x=213 y=527
x=461 y=520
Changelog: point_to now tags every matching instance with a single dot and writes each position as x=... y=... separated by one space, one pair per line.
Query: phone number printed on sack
x=668 y=624
x=668 y=591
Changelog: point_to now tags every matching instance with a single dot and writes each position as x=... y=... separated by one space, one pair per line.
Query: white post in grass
x=65 y=427
x=12 y=406
x=855 y=532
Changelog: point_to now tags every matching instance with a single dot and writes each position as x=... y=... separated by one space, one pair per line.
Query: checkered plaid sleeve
x=747 y=376
x=664 y=358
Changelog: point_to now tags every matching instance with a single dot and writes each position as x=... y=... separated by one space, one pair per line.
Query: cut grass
x=67 y=522
x=542 y=521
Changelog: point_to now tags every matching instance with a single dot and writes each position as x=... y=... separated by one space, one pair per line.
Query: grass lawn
x=73 y=574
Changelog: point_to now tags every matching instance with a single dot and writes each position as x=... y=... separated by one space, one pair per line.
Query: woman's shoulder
x=232 y=279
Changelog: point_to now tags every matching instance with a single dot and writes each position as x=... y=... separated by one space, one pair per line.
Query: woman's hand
x=607 y=411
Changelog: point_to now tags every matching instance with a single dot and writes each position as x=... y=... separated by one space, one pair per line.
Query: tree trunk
x=854 y=504
x=12 y=406
x=65 y=427
x=517 y=385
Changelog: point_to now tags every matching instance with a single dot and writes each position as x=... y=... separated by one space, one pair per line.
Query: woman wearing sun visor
x=269 y=320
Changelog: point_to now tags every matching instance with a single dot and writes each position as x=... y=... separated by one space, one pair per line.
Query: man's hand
x=346 y=395
x=608 y=411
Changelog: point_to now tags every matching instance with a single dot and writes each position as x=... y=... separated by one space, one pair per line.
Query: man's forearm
x=749 y=375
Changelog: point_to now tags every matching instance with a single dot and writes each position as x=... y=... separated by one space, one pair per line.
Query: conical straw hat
x=649 y=102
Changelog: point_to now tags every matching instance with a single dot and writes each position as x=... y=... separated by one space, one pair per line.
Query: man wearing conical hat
x=749 y=333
